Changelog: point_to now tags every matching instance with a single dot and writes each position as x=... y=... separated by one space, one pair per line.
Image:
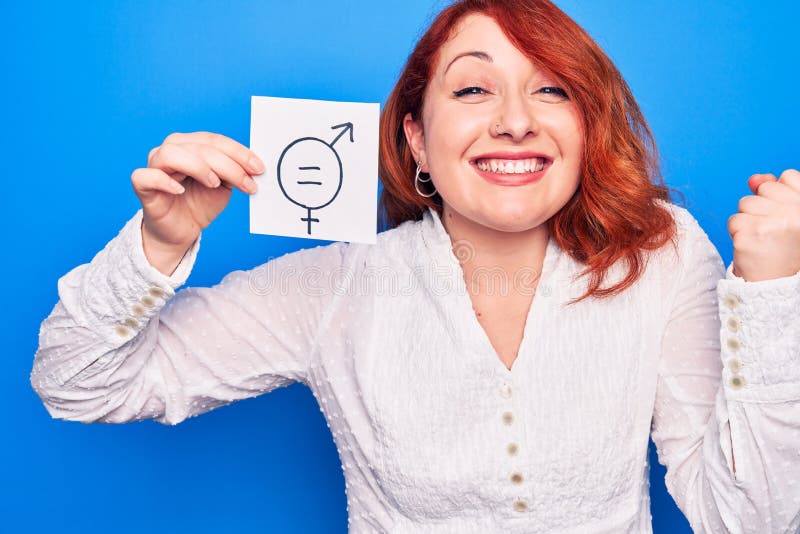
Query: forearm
x=93 y=348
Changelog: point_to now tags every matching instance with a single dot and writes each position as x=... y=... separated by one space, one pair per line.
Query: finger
x=791 y=178
x=147 y=181
x=150 y=155
x=172 y=158
x=757 y=179
x=777 y=191
x=740 y=221
x=233 y=149
x=756 y=205
x=228 y=170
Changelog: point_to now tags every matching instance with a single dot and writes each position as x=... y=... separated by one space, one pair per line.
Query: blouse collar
x=439 y=246
x=444 y=280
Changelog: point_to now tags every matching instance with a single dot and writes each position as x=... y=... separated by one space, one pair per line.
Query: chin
x=501 y=213
x=508 y=220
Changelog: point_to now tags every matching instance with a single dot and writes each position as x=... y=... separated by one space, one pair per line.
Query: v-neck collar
x=449 y=287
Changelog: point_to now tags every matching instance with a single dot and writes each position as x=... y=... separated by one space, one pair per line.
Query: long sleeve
x=121 y=344
x=726 y=420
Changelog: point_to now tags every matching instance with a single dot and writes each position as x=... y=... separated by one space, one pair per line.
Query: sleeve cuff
x=760 y=337
x=122 y=291
x=150 y=273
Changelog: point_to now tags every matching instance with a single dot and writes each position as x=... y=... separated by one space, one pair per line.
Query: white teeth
x=517 y=166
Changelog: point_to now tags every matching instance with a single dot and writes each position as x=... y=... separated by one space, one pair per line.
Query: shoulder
x=693 y=247
x=390 y=245
x=395 y=246
x=686 y=223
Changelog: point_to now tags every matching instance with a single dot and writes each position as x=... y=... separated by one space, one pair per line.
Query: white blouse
x=434 y=433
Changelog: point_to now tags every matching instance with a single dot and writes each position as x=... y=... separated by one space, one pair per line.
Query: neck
x=490 y=248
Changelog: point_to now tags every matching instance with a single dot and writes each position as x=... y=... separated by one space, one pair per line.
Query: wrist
x=165 y=257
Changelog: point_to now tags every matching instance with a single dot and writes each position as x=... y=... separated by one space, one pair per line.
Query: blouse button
x=733 y=343
x=508 y=418
x=130 y=321
x=505 y=391
x=520 y=505
x=137 y=309
x=735 y=365
x=122 y=331
x=516 y=478
x=733 y=324
x=148 y=301
x=156 y=292
x=731 y=301
x=512 y=449
x=736 y=382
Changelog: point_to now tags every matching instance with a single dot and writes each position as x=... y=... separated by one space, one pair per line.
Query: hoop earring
x=417 y=180
x=418 y=176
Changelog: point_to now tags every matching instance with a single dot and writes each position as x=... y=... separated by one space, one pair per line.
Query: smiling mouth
x=511 y=166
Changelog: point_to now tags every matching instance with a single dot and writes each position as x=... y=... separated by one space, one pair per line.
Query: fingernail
x=255 y=164
x=250 y=184
x=214 y=179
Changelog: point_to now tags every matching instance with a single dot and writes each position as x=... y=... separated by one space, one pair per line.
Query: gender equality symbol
x=310 y=172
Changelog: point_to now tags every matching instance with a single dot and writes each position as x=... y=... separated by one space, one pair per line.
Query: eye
x=555 y=91
x=469 y=91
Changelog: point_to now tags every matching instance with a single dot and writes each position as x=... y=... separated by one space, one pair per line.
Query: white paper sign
x=321 y=178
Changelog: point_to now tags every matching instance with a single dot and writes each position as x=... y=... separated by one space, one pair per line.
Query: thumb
x=757 y=179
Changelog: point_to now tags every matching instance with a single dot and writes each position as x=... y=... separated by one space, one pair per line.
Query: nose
x=516 y=118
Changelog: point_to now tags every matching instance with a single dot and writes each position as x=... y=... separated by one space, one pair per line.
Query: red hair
x=615 y=212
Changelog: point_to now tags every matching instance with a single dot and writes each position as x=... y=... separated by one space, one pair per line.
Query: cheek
x=451 y=133
x=575 y=142
x=574 y=132
x=564 y=125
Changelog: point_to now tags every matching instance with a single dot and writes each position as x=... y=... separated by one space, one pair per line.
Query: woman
x=547 y=307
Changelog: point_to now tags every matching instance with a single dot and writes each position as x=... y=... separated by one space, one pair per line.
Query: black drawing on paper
x=310 y=172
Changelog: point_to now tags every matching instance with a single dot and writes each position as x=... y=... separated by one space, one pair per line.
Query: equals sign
x=309 y=181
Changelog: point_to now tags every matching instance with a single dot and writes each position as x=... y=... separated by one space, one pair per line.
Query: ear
x=415 y=138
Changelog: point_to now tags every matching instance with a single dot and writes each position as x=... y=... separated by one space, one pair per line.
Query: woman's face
x=509 y=179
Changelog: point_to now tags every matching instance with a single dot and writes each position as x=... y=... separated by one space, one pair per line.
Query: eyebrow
x=474 y=53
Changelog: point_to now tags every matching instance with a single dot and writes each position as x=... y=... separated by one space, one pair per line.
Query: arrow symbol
x=347 y=126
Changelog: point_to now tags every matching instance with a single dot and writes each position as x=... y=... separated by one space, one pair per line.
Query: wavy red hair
x=615 y=213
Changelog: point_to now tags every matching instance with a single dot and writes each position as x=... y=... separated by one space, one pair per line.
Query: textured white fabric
x=423 y=412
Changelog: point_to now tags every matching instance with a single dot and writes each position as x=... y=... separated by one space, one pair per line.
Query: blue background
x=90 y=87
